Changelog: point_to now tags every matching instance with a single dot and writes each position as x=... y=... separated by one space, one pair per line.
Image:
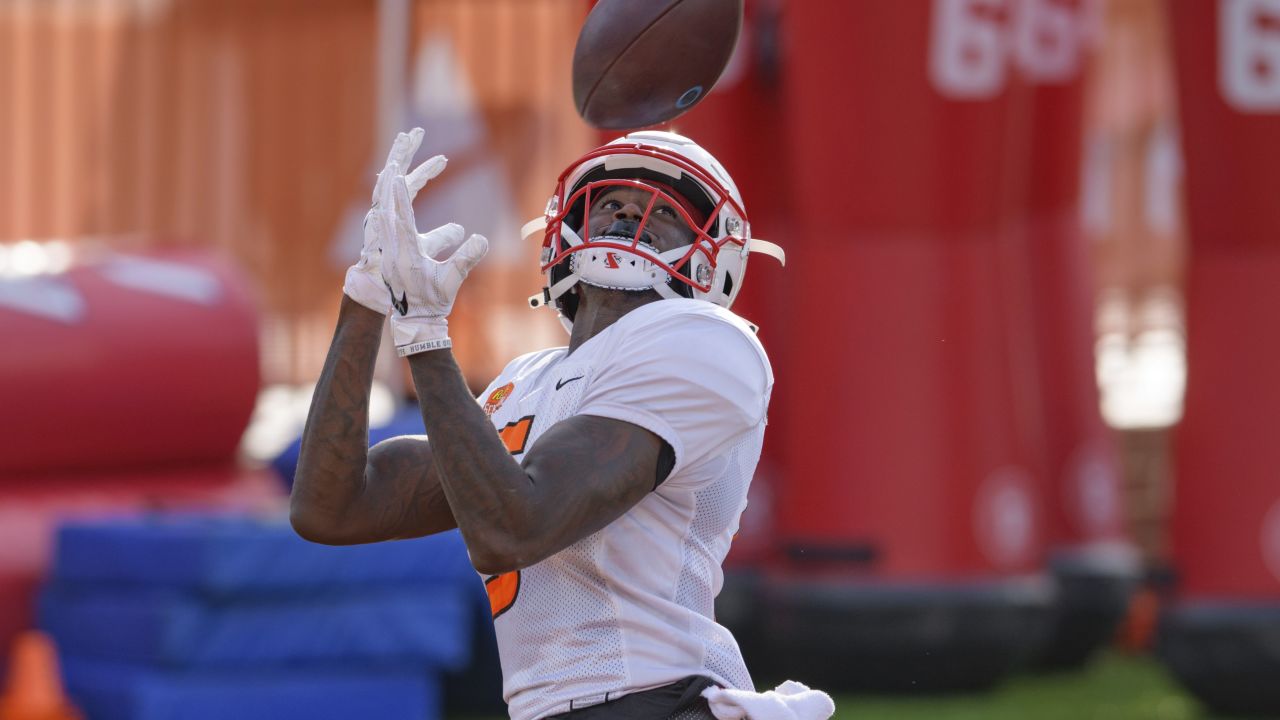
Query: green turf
x=1114 y=687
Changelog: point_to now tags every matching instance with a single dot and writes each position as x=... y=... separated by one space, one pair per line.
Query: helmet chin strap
x=550 y=294
x=614 y=268
x=595 y=267
x=665 y=292
x=663 y=288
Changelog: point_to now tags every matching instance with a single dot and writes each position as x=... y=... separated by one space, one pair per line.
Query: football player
x=597 y=486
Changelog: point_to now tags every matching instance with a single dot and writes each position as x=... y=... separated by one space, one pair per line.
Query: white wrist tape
x=413 y=335
x=421 y=347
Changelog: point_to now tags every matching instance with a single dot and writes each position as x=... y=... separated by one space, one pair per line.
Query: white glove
x=364 y=281
x=789 y=701
x=423 y=272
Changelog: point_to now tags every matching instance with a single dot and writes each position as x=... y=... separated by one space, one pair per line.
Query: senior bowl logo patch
x=497 y=397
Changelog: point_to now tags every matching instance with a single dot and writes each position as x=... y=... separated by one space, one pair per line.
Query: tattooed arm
x=583 y=473
x=344 y=493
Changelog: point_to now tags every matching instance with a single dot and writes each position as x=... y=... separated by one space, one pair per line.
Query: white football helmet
x=682 y=174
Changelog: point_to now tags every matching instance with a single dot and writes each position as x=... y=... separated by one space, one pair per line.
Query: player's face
x=621 y=208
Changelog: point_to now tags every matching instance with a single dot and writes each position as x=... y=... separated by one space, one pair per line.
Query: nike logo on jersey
x=401 y=305
x=562 y=383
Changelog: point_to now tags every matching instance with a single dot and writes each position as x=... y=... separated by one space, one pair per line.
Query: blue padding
x=406 y=421
x=421 y=626
x=237 y=556
x=109 y=691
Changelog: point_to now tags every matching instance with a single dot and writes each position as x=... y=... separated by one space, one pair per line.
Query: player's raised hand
x=363 y=281
x=422 y=271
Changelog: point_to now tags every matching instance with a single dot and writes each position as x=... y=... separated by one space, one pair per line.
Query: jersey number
x=502 y=590
x=515 y=435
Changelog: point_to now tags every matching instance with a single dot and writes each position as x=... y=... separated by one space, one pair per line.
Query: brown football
x=643 y=62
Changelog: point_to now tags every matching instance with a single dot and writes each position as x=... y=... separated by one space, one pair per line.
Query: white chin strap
x=550 y=294
x=608 y=268
x=614 y=269
x=773 y=250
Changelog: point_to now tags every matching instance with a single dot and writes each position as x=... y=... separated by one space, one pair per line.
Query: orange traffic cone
x=1137 y=631
x=35 y=685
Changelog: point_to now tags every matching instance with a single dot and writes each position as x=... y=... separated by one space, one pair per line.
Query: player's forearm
x=493 y=499
x=335 y=442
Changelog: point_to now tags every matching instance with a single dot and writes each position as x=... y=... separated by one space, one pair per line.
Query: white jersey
x=631 y=607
